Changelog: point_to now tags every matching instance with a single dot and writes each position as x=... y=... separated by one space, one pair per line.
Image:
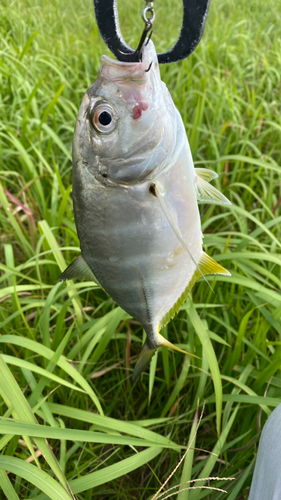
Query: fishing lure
x=135 y=196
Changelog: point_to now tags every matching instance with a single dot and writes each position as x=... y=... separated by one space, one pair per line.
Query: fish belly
x=130 y=245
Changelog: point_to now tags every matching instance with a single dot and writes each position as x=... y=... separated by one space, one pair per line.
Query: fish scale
x=135 y=196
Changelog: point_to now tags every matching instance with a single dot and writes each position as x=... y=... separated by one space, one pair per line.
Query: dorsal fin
x=206 y=193
x=207 y=265
x=78 y=269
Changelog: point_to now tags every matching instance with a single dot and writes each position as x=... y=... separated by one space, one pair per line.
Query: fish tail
x=164 y=342
x=148 y=351
x=144 y=359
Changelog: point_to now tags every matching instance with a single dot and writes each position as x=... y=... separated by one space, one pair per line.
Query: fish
x=135 y=197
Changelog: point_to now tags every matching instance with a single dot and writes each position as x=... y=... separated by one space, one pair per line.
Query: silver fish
x=135 y=194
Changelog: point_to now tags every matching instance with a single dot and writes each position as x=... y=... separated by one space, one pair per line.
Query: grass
x=67 y=351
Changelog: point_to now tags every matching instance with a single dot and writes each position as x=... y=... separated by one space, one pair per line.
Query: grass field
x=67 y=351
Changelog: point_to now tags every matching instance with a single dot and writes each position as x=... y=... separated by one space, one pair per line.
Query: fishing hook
x=146 y=34
x=194 y=19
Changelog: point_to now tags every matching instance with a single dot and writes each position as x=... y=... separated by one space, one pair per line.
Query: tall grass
x=67 y=350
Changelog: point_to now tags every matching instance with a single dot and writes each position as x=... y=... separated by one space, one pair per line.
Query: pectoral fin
x=206 y=193
x=205 y=174
x=78 y=269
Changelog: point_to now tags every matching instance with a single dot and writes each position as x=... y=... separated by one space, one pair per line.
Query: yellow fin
x=147 y=353
x=210 y=266
x=164 y=342
x=206 y=265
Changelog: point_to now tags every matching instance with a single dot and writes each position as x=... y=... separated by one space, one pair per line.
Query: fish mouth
x=134 y=72
x=120 y=72
x=137 y=81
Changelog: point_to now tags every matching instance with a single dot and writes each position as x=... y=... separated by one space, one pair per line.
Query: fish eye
x=103 y=117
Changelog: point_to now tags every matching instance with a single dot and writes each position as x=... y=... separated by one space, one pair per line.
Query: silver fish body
x=135 y=193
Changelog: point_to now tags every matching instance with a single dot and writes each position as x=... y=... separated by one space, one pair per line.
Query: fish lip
x=132 y=82
x=132 y=72
x=139 y=82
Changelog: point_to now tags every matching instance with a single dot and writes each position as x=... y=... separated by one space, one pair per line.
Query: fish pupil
x=105 y=118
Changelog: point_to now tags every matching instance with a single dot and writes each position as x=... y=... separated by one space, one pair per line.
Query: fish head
x=126 y=125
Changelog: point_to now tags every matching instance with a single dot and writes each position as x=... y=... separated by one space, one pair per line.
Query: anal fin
x=78 y=269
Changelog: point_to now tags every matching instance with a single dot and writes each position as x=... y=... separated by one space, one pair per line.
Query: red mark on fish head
x=138 y=109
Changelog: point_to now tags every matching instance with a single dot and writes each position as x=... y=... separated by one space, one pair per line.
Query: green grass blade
x=37 y=431
x=35 y=476
x=110 y=423
x=6 y=486
x=114 y=471
x=62 y=363
x=12 y=360
x=52 y=243
x=211 y=357
x=188 y=461
x=13 y=397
